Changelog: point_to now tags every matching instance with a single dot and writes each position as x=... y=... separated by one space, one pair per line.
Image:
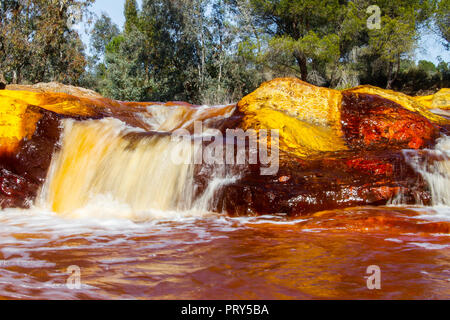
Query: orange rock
x=307 y=117
x=402 y=99
x=17 y=122
x=313 y=120
x=338 y=149
x=372 y=122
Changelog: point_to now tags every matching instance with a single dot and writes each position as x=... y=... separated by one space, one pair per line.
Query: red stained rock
x=22 y=173
x=338 y=181
x=370 y=166
x=372 y=172
x=372 y=122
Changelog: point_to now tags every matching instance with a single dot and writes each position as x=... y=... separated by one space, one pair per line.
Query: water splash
x=107 y=169
x=434 y=168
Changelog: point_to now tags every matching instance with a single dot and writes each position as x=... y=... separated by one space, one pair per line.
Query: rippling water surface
x=217 y=257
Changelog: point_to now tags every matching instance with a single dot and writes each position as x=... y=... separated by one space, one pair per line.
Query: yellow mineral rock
x=17 y=121
x=402 y=99
x=426 y=101
x=296 y=136
x=61 y=103
x=307 y=116
x=296 y=98
x=20 y=111
x=441 y=99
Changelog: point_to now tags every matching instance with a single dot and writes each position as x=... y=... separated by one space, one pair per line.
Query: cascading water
x=105 y=168
x=434 y=167
x=113 y=168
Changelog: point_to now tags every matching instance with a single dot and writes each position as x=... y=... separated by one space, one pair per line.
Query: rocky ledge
x=337 y=148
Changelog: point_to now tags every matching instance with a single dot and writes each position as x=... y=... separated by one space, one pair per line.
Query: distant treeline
x=216 y=51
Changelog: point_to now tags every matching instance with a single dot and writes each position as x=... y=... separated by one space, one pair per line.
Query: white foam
x=436 y=172
x=393 y=240
x=100 y=174
x=435 y=213
x=430 y=246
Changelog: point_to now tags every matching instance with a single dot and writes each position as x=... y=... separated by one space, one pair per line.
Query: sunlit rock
x=307 y=117
x=17 y=122
x=402 y=99
x=337 y=149
x=24 y=166
x=55 y=87
x=439 y=100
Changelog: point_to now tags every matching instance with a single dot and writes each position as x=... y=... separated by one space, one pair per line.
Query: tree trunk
x=391 y=75
x=397 y=69
x=332 y=78
x=301 y=60
x=14 y=79
x=220 y=74
x=390 y=79
x=2 y=81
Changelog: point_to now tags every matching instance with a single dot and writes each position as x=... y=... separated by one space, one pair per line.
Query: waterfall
x=434 y=168
x=105 y=168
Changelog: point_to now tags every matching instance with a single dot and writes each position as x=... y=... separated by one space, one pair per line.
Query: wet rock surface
x=372 y=122
x=338 y=149
x=337 y=181
x=22 y=172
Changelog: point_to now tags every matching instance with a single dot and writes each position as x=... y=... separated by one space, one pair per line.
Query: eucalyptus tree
x=39 y=41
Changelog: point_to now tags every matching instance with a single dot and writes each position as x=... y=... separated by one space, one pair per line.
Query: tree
x=427 y=66
x=398 y=35
x=442 y=19
x=172 y=55
x=154 y=54
x=102 y=33
x=443 y=69
x=125 y=78
x=16 y=27
x=216 y=51
x=58 y=51
x=329 y=43
x=131 y=15
x=300 y=31
x=38 y=40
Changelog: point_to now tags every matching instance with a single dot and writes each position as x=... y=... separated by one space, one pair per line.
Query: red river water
x=217 y=257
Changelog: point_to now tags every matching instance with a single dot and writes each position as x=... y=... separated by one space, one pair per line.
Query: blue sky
x=430 y=46
x=114 y=8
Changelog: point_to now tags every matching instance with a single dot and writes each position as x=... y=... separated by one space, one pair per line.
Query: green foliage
x=328 y=42
x=313 y=38
x=173 y=50
x=427 y=66
x=131 y=15
x=216 y=51
x=443 y=21
x=124 y=78
x=421 y=77
x=443 y=69
x=38 y=42
x=103 y=32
